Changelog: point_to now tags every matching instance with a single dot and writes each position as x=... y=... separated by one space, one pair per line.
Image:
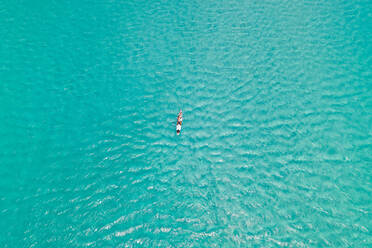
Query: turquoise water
x=276 y=145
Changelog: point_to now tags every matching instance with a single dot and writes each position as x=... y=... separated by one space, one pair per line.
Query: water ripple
x=275 y=147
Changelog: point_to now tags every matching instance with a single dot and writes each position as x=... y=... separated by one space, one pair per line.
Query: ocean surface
x=276 y=143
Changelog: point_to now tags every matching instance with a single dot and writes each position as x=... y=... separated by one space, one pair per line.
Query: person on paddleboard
x=179 y=122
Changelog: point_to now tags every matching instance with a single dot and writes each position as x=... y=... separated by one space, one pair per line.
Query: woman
x=179 y=122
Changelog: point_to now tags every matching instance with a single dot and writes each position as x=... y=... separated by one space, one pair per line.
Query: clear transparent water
x=275 y=148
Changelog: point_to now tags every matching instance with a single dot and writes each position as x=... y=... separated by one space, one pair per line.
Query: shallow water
x=276 y=144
